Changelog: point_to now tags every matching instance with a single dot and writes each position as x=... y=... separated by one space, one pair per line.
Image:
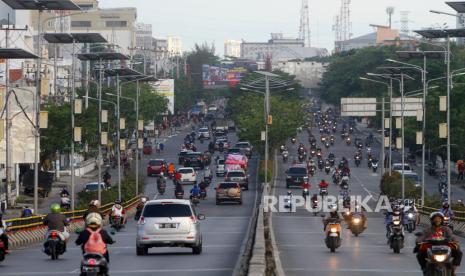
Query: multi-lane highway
x=224 y=230
x=300 y=236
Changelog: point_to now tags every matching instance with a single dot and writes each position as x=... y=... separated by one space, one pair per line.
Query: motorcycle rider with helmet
x=94 y=238
x=118 y=211
x=333 y=216
x=56 y=221
x=446 y=211
x=437 y=230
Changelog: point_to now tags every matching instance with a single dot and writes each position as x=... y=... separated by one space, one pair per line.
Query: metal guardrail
x=35 y=221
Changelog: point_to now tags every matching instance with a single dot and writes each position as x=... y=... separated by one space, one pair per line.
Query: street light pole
x=73 y=91
x=118 y=140
x=448 y=118
x=267 y=112
x=403 y=132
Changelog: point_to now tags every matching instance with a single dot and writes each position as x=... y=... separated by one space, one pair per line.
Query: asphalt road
x=300 y=236
x=223 y=235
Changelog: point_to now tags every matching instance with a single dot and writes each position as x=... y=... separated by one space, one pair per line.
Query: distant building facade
x=232 y=48
x=279 y=49
x=174 y=45
x=309 y=73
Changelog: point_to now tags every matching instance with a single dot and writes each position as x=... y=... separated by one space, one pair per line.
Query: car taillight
x=91 y=261
x=193 y=219
x=141 y=220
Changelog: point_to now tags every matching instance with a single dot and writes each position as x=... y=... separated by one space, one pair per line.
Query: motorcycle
x=331 y=142
x=2 y=248
x=117 y=223
x=315 y=205
x=439 y=256
x=356 y=224
x=374 y=166
x=396 y=234
x=161 y=188
x=288 y=202
x=448 y=223
x=410 y=223
x=54 y=246
x=357 y=161
x=301 y=158
x=305 y=193
x=327 y=145
x=94 y=264
x=312 y=171
x=285 y=156
x=293 y=140
x=327 y=169
x=323 y=192
x=320 y=165
x=179 y=194
x=65 y=203
x=203 y=194
x=333 y=235
x=370 y=163
x=348 y=141
x=195 y=200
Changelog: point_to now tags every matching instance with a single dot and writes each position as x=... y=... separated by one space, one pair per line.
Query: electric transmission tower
x=404 y=22
x=304 y=29
x=390 y=12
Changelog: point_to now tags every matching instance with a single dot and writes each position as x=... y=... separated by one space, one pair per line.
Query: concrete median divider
x=257 y=263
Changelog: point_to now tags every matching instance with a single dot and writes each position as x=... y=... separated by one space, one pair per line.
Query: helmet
x=143 y=199
x=332 y=208
x=94 y=220
x=161 y=174
x=445 y=205
x=408 y=202
x=434 y=215
x=95 y=203
x=118 y=201
x=289 y=192
x=55 y=208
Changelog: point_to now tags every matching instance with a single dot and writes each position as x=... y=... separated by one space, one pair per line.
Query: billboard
x=228 y=74
x=358 y=107
x=166 y=88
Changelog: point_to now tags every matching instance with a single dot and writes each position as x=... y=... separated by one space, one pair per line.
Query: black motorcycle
x=54 y=246
x=94 y=264
x=396 y=234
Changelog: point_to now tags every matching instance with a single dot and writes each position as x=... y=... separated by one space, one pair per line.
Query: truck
x=45 y=183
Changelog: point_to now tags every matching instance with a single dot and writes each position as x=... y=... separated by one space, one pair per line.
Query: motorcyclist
x=288 y=199
x=94 y=206
x=107 y=178
x=3 y=236
x=171 y=169
x=161 y=181
x=86 y=239
x=64 y=192
x=446 y=211
x=203 y=186
x=139 y=207
x=27 y=212
x=434 y=232
x=323 y=184
x=305 y=185
x=56 y=221
x=117 y=210
x=333 y=216
x=395 y=210
x=195 y=191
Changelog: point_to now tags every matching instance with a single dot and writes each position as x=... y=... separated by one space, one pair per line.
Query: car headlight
x=440 y=258
x=288 y=176
x=410 y=216
x=396 y=222
x=356 y=220
x=333 y=230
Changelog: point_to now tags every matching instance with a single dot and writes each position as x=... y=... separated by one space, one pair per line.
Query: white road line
x=353 y=246
x=376 y=270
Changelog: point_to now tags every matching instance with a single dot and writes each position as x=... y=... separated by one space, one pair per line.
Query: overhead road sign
x=102 y=56
x=358 y=107
x=16 y=53
x=411 y=106
x=41 y=5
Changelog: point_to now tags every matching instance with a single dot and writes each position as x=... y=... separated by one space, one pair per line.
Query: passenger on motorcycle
x=434 y=232
x=333 y=216
x=323 y=184
x=94 y=238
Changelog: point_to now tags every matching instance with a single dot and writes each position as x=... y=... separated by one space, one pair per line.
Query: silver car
x=220 y=167
x=169 y=223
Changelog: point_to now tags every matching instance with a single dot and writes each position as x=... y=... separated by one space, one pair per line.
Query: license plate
x=91 y=269
x=185 y=179
x=167 y=225
x=235 y=179
x=333 y=235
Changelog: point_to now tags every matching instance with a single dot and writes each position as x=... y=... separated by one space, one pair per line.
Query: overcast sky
x=253 y=20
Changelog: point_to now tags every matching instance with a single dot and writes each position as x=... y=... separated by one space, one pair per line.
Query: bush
x=261 y=172
x=391 y=185
x=128 y=191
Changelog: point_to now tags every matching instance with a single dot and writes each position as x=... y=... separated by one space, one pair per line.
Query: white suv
x=169 y=223
x=204 y=132
x=188 y=175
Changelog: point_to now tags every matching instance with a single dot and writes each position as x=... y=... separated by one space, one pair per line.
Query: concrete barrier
x=257 y=264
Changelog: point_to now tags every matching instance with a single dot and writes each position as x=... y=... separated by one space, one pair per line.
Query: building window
x=81 y=24
x=116 y=24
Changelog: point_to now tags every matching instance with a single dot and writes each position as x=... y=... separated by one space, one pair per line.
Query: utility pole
x=7 y=113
